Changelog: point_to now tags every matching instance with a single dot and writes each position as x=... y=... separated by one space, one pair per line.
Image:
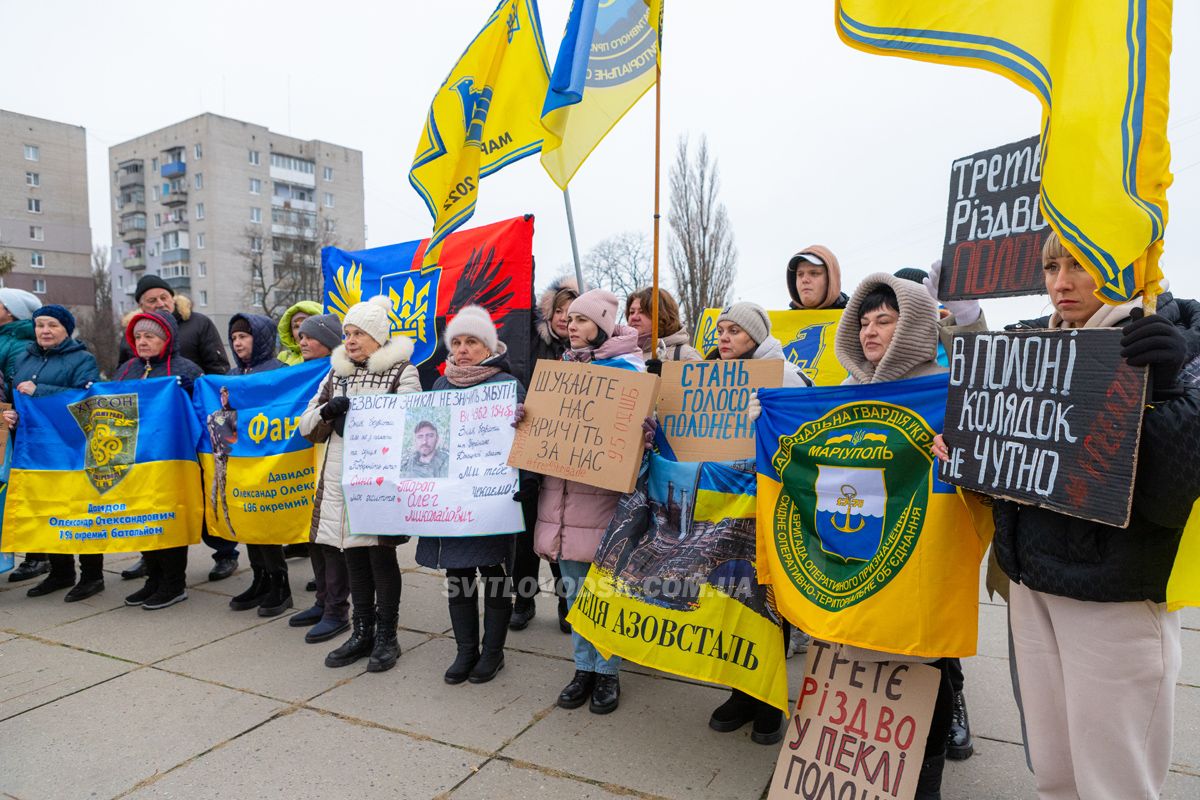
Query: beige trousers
x=1097 y=683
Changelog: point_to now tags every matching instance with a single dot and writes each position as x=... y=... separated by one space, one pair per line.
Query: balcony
x=172 y=224
x=134 y=263
x=129 y=174
x=132 y=207
x=133 y=229
x=179 y=284
x=175 y=197
x=177 y=256
x=173 y=169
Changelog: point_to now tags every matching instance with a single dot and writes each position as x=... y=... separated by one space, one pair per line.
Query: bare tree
x=285 y=267
x=702 y=255
x=7 y=262
x=99 y=327
x=621 y=263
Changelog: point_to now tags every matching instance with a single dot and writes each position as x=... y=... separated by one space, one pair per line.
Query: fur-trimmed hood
x=544 y=310
x=913 y=350
x=395 y=350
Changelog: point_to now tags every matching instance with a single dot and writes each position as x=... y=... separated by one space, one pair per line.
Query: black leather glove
x=1156 y=343
x=654 y=366
x=336 y=407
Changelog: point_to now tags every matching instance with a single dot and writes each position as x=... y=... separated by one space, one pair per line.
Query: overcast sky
x=817 y=143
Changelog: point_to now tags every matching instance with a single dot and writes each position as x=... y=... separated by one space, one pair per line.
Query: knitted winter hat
x=372 y=317
x=324 y=328
x=147 y=325
x=239 y=325
x=911 y=274
x=20 y=303
x=60 y=313
x=148 y=282
x=749 y=317
x=598 y=305
x=473 y=321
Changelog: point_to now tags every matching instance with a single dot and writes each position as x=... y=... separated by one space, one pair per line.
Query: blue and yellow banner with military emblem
x=806 y=336
x=108 y=469
x=260 y=474
x=674 y=586
x=861 y=542
x=1101 y=72
x=484 y=116
x=491 y=266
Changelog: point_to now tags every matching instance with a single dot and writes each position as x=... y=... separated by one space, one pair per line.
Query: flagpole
x=657 y=173
x=574 y=243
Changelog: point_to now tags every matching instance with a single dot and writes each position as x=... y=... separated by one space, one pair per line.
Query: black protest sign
x=994 y=226
x=1049 y=418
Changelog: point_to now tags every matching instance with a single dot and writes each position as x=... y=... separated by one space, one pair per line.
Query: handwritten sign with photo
x=702 y=407
x=1049 y=418
x=432 y=463
x=584 y=423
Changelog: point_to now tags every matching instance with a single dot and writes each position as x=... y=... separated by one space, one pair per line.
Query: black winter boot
x=465 y=621
x=386 y=649
x=495 y=632
x=929 y=783
x=563 y=610
x=254 y=594
x=733 y=713
x=768 y=724
x=523 y=613
x=359 y=645
x=30 y=568
x=606 y=695
x=959 y=744
x=279 y=598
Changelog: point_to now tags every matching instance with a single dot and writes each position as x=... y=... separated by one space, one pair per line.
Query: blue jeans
x=587 y=658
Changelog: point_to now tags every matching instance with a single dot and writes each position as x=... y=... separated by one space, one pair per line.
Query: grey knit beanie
x=325 y=328
x=749 y=317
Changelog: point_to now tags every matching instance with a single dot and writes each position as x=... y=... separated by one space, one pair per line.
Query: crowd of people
x=1095 y=653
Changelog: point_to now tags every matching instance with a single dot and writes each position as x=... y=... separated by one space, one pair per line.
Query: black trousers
x=268 y=557
x=167 y=569
x=374 y=579
x=463 y=588
x=943 y=710
x=333 y=582
x=954 y=666
x=90 y=566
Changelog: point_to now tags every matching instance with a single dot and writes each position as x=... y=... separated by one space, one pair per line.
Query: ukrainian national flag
x=861 y=542
x=606 y=62
x=1101 y=72
x=261 y=489
x=484 y=116
x=1183 y=587
x=108 y=469
x=806 y=336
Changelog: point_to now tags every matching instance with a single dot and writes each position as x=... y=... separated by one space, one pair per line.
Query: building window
x=199 y=241
x=158 y=220
x=154 y=165
x=329 y=199
x=330 y=225
x=254 y=158
x=256 y=244
x=33 y=179
x=292 y=163
x=36 y=233
x=199 y=210
x=256 y=215
x=202 y=269
x=39 y=285
x=199 y=180
x=328 y=173
x=37 y=259
x=120 y=281
x=32 y=152
x=33 y=205
x=258 y=298
x=203 y=297
x=154 y=192
x=255 y=186
x=197 y=152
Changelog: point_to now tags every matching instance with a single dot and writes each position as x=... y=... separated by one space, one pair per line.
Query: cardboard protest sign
x=860 y=724
x=994 y=227
x=432 y=464
x=1050 y=418
x=806 y=336
x=584 y=423
x=702 y=407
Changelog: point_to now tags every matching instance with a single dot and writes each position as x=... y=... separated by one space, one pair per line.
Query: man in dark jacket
x=198 y=341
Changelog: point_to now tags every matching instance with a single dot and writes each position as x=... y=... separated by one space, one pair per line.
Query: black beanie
x=148 y=282
x=911 y=274
x=239 y=325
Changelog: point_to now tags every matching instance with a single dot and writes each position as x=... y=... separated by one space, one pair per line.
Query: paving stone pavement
x=197 y=701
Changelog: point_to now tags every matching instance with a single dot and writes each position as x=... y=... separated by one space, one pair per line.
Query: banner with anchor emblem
x=860 y=540
x=108 y=469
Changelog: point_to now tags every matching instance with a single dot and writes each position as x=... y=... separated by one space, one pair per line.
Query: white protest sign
x=432 y=463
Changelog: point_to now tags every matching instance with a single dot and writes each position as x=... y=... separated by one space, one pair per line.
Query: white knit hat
x=473 y=321
x=372 y=316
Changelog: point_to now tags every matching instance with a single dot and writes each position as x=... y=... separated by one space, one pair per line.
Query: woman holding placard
x=672 y=342
x=370 y=361
x=572 y=517
x=475 y=355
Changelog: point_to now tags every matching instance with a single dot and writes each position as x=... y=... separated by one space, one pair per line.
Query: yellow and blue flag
x=674 y=587
x=260 y=474
x=1183 y=587
x=108 y=469
x=806 y=336
x=860 y=540
x=1101 y=72
x=484 y=116
x=606 y=62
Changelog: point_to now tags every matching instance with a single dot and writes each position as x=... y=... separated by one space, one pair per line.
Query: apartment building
x=44 y=223
x=231 y=214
